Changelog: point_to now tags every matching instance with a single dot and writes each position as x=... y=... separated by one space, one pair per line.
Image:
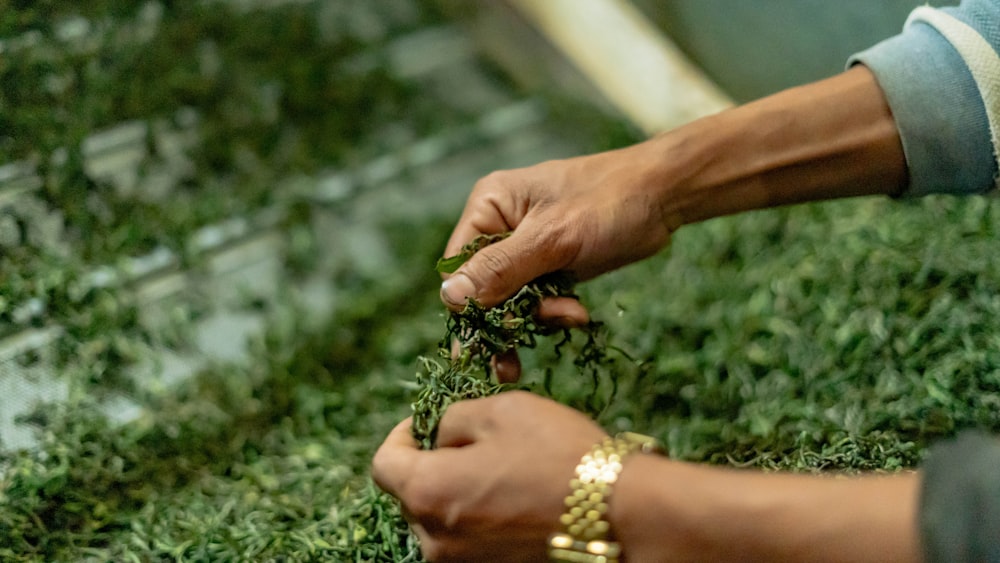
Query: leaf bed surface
x=845 y=336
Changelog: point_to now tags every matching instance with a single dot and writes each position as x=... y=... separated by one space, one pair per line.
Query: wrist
x=645 y=515
x=585 y=535
x=682 y=158
x=691 y=511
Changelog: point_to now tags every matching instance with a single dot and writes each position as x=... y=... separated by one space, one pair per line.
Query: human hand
x=585 y=215
x=493 y=489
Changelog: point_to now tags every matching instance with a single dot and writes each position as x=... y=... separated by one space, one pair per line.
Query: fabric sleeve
x=960 y=500
x=941 y=78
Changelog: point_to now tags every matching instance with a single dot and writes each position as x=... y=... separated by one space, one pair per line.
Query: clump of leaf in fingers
x=482 y=333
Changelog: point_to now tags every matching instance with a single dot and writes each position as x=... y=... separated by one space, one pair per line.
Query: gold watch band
x=586 y=532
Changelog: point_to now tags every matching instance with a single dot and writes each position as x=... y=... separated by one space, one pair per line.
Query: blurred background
x=218 y=225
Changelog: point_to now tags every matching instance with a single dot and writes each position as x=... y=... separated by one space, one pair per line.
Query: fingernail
x=457 y=289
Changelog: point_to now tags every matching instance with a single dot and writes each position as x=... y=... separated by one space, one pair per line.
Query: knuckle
x=495 y=179
x=432 y=550
x=510 y=401
x=558 y=239
x=491 y=184
x=495 y=263
x=491 y=272
x=556 y=233
x=426 y=501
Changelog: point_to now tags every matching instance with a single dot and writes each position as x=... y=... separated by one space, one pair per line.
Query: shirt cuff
x=960 y=500
x=938 y=111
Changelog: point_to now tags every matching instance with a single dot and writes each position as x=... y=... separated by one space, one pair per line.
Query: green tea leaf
x=449 y=265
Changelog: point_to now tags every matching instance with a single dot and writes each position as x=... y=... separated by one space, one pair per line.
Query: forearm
x=666 y=510
x=830 y=139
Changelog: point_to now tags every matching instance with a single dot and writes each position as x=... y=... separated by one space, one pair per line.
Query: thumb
x=498 y=271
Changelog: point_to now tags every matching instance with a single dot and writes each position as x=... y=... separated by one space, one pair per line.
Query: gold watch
x=586 y=533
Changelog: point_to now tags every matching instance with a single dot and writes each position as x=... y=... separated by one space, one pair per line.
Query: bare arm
x=493 y=490
x=592 y=214
x=712 y=514
x=830 y=139
x=589 y=215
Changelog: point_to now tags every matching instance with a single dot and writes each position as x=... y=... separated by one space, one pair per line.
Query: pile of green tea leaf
x=267 y=461
x=779 y=346
x=847 y=336
x=228 y=122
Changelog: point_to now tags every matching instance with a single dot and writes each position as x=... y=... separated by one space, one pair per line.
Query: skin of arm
x=831 y=139
x=493 y=491
x=664 y=510
x=591 y=214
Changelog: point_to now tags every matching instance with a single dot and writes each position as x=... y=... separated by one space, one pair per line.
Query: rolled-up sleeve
x=941 y=78
x=960 y=500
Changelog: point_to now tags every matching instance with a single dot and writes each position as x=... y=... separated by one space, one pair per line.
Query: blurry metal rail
x=632 y=63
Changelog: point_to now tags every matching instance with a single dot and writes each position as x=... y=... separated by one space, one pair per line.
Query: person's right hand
x=586 y=216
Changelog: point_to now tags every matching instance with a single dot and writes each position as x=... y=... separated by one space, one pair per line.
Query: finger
x=506 y=366
x=499 y=270
x=495 y=206
x=462 y=423
x=393 y=462
x=562 y=312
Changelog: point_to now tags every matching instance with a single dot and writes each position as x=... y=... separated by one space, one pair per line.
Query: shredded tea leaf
x=452 y=263
x=463 y=371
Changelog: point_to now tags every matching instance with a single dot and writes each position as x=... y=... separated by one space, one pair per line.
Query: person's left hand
x=493 y=489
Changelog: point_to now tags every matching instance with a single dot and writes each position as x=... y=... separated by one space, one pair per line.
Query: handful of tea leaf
x=463 y=372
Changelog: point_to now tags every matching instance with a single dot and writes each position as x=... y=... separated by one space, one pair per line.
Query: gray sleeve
x=941 y=77
x=960 y=501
